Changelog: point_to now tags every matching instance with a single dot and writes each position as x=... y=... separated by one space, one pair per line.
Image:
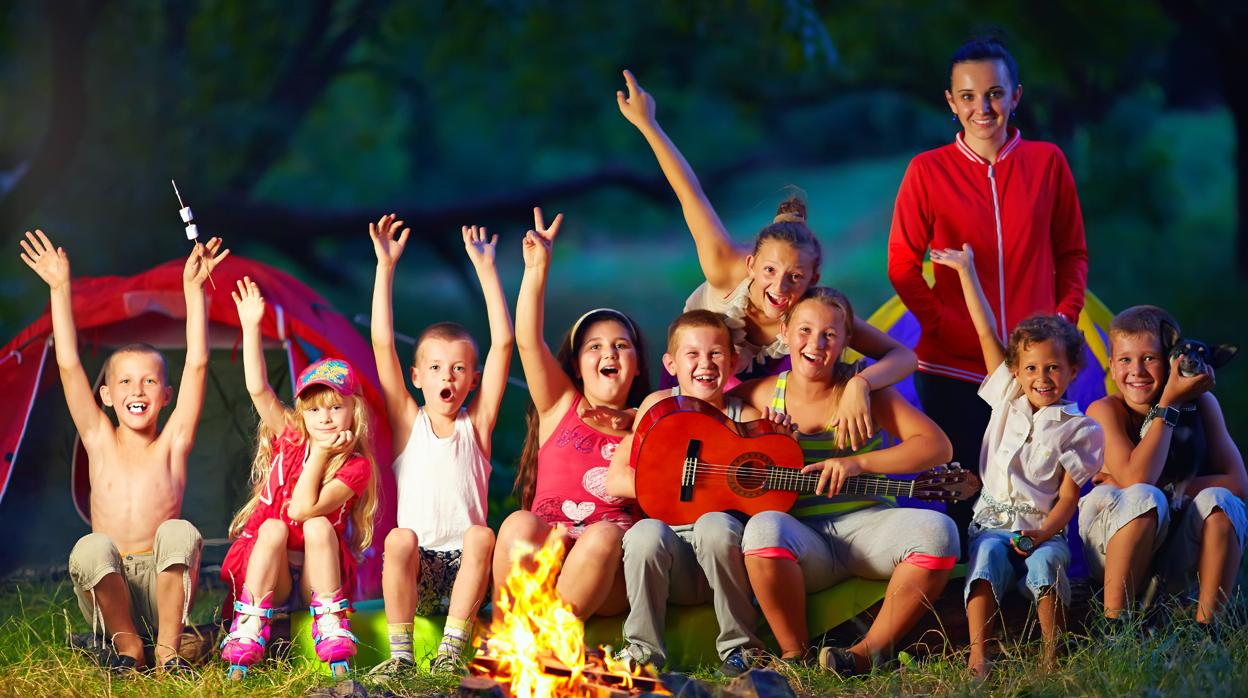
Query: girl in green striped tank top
x=818 y=447
x=826 y=538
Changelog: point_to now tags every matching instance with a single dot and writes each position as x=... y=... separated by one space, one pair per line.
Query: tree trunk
x=69 y=31
x=1239 y=114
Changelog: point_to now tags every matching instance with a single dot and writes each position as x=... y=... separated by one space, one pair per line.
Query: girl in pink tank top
x=572 y=476
x=583 y=397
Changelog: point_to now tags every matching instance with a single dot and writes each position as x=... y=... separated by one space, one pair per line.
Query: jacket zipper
x=996 y=212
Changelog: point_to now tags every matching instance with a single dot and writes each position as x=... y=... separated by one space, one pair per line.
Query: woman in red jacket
x=1014 y=201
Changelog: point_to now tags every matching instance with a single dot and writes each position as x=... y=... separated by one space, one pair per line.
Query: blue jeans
x=992 y=558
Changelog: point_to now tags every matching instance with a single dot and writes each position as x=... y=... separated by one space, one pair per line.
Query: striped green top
x=821 y=446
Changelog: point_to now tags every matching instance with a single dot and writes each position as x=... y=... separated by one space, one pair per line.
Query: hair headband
x=624 y=319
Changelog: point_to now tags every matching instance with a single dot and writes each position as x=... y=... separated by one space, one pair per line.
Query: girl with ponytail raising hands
x=754 y=289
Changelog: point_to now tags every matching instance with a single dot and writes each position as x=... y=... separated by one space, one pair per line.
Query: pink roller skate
x=335 y=643
x=249 y=633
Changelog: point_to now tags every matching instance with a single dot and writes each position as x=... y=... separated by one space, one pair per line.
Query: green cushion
x=368 y=622
x=690 y=635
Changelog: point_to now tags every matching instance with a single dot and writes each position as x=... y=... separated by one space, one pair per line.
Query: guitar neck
x=793 y=480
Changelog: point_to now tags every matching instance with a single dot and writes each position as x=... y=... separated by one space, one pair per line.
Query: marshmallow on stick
x=192 y=230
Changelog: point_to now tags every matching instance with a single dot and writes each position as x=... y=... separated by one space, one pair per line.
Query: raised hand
x=202 y=260
x=479 y=245
x=249 y=302
x=538 y=242
x=49 y=262
x=638 y=105
x=961 y=261
x=386 y=246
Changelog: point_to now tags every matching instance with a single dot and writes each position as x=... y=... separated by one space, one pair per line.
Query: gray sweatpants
x=867 y=543
x=686 y=566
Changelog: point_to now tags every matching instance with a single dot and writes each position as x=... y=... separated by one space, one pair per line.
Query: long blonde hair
x=365 y=508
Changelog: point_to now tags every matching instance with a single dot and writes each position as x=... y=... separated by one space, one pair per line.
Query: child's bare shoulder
x=749 y=413
x=1108 y=410
x=753 y=392
x=650 y=400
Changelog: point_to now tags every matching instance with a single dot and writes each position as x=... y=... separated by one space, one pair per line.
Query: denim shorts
x=992 y=558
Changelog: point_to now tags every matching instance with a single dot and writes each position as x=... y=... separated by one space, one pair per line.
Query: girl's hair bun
x=791 y=210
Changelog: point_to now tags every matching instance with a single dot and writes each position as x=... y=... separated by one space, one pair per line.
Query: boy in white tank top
x=438 y=557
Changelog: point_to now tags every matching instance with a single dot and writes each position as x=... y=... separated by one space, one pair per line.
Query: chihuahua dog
x=1195 y=356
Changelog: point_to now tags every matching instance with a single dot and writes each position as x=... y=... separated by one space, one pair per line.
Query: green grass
x=36 y=661
x=1178 y=660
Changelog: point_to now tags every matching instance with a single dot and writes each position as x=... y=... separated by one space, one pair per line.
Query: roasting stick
x=192 y=230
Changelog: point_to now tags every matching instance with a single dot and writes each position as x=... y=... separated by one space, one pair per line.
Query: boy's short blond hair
x=448 y=332
x=698 y=318
x=138 y=348
x=1142 y=320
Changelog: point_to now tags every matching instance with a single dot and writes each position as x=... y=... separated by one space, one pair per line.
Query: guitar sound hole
x=748 y=474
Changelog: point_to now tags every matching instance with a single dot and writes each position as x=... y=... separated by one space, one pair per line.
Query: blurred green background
x=289 y=126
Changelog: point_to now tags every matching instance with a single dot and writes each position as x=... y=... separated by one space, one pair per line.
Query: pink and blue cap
x=333 y=373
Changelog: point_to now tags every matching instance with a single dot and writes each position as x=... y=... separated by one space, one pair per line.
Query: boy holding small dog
x=1169 y=499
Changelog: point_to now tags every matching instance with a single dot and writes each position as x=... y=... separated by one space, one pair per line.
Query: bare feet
x=979 y=667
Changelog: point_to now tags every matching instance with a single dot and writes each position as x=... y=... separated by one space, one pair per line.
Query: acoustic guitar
x=691 y=459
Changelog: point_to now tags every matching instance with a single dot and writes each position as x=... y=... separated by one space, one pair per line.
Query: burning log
x=480 y=687
x=536 y=648
x=597 y=678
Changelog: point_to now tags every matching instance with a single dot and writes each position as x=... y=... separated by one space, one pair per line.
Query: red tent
x=299 y=327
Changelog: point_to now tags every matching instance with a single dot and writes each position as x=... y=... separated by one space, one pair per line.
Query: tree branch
x=293 y=230
x=314 y=63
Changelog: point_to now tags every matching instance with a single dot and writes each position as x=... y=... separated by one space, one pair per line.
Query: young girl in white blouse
x=1037 y=452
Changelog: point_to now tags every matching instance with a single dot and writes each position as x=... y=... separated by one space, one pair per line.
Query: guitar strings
x=868 y=483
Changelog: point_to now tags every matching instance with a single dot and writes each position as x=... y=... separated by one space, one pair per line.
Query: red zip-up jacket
x=1022 y=219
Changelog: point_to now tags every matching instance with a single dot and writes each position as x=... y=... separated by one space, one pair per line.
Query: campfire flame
x=536 y=644
x=534 y=623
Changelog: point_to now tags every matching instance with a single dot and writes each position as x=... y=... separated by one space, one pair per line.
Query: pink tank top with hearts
x=572 y=477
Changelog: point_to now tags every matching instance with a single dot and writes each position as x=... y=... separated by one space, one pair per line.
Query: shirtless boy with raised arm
x=136 y=570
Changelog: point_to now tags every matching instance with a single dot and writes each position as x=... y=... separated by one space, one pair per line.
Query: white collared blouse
x=1025 y=452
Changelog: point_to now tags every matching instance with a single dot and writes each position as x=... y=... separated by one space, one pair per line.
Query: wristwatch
x=1169 y=415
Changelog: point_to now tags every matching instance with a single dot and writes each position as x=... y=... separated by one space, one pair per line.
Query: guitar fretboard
x=793 y=480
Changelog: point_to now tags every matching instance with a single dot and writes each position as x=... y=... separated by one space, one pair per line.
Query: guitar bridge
x=690 y=472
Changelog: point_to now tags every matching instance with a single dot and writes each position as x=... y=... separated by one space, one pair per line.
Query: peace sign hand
x=538 y=242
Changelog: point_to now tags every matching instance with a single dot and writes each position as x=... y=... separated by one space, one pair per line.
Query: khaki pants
x=95 y=556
